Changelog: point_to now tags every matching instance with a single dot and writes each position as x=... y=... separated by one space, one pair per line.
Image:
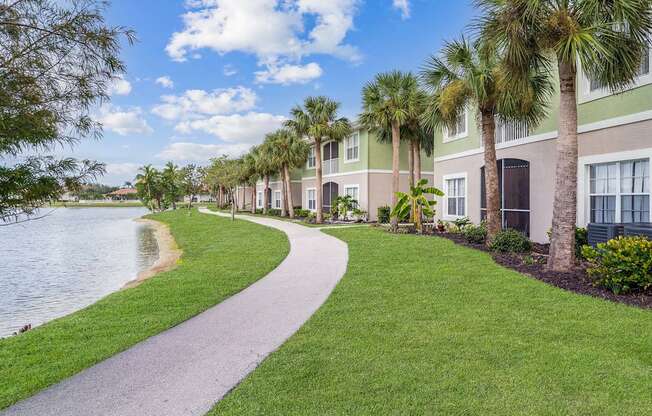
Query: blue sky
x=211 y=77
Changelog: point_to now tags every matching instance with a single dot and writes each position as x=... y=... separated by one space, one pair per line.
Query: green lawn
x=421 y=326
x=220 y=258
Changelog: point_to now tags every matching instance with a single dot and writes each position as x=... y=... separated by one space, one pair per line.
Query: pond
x=68 y=260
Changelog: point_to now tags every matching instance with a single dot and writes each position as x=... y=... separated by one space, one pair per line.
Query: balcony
x=330 y=166
x=510 y=131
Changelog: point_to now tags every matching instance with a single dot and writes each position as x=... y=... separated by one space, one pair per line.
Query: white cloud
x=235 y=128
x=289 y=74
x=403 y=6
x=119 y=173
x=197 y=103
x=196 y=152
x=123 y=121
x=278 y=32
x=165 y=82
x=229 y=70
x=119 y=86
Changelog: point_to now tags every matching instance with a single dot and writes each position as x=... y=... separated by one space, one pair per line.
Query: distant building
x=123 y=194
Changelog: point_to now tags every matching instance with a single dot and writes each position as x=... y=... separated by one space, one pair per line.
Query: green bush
x=302 y=213
x=511 y=241
x=461 y=223
x=274 y=212
x=383 y=214
x=622 y=265
x=475 y=234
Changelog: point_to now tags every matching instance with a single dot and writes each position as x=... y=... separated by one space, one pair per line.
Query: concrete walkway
x=187 y=369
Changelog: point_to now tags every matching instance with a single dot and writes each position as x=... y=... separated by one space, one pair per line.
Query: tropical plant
x=390 y=102
x=266 y=167
x=150 y=188
x=342 y=205
x=57 y=62
x=171 y=182
x=475 y=234
x=606 y=38
x=416 y=201
x=384 y=214
x=471 y=74
x=192 y=181
x=288 y=152
x=622 y=265
x=318 y=120
x=251 y=174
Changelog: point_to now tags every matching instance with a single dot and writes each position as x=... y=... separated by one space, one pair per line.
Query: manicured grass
x=220 y=258
x=421 y=326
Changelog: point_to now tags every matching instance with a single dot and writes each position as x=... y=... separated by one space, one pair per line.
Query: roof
x=124 y=191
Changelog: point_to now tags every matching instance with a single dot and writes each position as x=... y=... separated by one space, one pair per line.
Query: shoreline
x=168 y=253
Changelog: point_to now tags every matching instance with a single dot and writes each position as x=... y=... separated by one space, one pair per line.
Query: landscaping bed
x=533 y=264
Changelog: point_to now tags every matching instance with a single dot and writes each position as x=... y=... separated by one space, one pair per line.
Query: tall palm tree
x=171 y=178
x=147 y=181
x=265 y=167
x=318 y=120
x=470 y=74
x=389 y=103
x=250 y=161
x=607 y=38
x=290 y=152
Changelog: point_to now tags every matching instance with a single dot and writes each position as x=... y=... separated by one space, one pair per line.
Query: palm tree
x=250 y=161
x=147 y=183
x=289 y=152
x=318 y=120
x=468 y=74
x=389 y=103
x=171 y=177
x=606 y=38
x=265 y=167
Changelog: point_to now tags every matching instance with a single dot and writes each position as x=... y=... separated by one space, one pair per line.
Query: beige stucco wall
x=380 y=190
x=359 y=179
x=277 y=186
x=632 y=140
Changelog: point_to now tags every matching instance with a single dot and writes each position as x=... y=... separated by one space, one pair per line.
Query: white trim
x=366 y=171
x=446 y=178
x=458 y=136
x=312 y=149
x=259 y=199
x=357 y=133
x=583 y=214
x=584 y=128
x=351 y=186
x=308 y=199
x=586 y=95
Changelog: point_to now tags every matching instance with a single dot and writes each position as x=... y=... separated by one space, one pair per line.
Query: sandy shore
x=168 y=253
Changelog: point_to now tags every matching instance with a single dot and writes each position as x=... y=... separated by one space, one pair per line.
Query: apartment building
x=615 y=150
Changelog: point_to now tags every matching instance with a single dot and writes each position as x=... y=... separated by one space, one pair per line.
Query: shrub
x=302 y=213
x=475 y=234
x=511 y=241
x=622 y=265
x=274 y=212
x=383 y=214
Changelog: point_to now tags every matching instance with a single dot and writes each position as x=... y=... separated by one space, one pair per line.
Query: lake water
x=68 y=260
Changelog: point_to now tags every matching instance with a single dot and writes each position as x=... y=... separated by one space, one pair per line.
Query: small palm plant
x=343 y=205
x=416 y=203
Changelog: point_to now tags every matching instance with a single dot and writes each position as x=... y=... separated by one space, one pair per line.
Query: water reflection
x=68 y=260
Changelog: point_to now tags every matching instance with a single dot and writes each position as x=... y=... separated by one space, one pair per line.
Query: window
x=312 y=158
x=311 y=196
x=259 y=199
x=620 y=192
x=277 y=199
x=455 y=196
x=458 y=130
x=352 y=148
x=354 y=192
x=594 y=89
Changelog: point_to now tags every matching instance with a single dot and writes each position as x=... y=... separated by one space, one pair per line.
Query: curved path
x=187 y=369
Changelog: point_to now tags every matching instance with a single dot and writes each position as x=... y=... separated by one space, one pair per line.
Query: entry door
x=514 y=185
x=330 y=193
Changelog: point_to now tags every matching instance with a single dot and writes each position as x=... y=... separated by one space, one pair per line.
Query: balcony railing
x=511 y=131
x=329 y=166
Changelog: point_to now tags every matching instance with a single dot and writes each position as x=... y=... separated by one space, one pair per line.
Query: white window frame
x=587 y=95
x=584 y=180
x=459 y=135
x=312 y=154
x=278 y=200
x=445 y=179
x=259 y=199
x=347 y=145
x=357 y=188
x=308 y=190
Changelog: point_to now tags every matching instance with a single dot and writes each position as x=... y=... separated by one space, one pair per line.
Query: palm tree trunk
x=284 y=194
x=411 y=162
x=396 y=147
x=288 y=180
x=417 y=162
x=494 y=221
x=265 y=194
x=253 y=198
x=320 y=215
x=564 y=210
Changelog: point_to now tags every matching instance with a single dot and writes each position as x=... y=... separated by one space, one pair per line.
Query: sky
x=212 y=77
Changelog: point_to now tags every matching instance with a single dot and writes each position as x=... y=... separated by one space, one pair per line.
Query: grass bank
x=220 y=258
x=421 y=326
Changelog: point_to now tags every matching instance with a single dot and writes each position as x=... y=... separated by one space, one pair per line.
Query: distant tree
x=192 y=181
x=94 y=191
x=251 y=174
x=391 y=102
x=266 y=167
x=172 y=182
x=289 y=152
x=318 y=120
x=149 y=185
x=57 y=61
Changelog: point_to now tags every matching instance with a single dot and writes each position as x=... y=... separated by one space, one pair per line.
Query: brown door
x=330 y=192
x=514 y=183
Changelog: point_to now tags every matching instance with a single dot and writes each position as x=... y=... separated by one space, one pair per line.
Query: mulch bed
x=534 y=265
